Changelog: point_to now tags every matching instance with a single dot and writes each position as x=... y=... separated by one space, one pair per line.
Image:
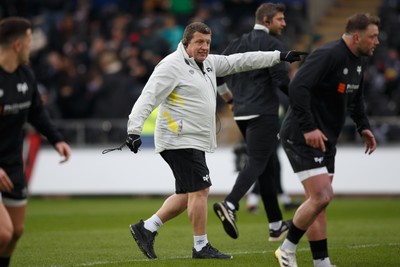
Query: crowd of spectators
x=93 y=57
x=382 y=86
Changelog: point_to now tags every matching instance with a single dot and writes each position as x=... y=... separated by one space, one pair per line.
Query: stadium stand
x=92 y=58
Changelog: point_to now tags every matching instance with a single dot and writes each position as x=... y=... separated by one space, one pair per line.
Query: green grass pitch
x=94 y=231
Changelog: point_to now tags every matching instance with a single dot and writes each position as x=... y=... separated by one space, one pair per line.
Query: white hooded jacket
x=186 y=96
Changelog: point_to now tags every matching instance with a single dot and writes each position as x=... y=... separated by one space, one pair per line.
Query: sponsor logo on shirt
x=347 y=88
x=341 y=88
x=352 y=87
x=15 y=108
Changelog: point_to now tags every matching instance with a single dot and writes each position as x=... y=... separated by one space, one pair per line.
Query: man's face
x=277 y=24
x=368 y=40
x=199 y=46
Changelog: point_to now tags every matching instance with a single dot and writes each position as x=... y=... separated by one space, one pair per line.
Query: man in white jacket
x=183 y=85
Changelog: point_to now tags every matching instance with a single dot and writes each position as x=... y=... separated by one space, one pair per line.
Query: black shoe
x=144 y=238
x=227 y=217
x=278 y=235
x=209 y=252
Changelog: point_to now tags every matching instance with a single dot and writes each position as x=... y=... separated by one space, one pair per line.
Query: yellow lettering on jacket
x=172 y=125
x=175 y=99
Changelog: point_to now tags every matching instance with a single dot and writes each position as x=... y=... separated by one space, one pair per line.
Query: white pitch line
x=232 y=253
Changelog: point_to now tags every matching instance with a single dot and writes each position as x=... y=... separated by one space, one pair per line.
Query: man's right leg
x=144 y=232
x=6 y=233
x=320 y=193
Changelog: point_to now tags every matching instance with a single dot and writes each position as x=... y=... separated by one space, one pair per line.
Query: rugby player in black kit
x=19 y=103
x=327 y=87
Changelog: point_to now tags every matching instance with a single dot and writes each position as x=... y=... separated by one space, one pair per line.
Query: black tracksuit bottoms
x=261 y=137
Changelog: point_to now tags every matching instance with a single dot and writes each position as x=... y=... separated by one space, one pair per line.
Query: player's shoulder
x=333 y=51
x=271 y=42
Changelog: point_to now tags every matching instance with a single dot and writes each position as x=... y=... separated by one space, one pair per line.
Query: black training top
x=326 y=88
x=255 y=92
x=19 y=103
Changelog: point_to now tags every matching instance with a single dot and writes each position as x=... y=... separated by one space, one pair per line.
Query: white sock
x=200 y=241
x=153 y=223
x=230 y=205
x=288 y=246
x=325 y=262
x=275 y=225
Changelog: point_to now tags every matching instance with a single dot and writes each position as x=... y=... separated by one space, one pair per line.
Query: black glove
x=292 y=55
x=133 y=141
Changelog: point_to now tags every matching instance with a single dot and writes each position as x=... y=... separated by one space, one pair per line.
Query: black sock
x=319 y=249
x=4 y=262
x=295 y=234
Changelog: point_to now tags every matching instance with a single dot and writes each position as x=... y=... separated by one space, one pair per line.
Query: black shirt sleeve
x=38 y=115
x=357 y=111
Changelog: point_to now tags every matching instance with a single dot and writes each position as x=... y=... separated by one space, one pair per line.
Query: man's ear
x=266 y=20
x=356 y=37
x=17 y=44
x=184 y=42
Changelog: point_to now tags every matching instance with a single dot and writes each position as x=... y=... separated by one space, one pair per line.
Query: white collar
x=261 y=27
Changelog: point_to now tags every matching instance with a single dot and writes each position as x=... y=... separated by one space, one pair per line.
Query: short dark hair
x=13 y=27
x=268 y=10
x=192 y=28
x=360 y=22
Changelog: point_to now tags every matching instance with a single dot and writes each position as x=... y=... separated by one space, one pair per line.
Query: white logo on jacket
x=22 y=87
x=359 y=70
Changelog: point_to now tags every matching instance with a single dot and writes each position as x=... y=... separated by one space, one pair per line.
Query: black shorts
x=189 y=168
x=303 y=157
x=18 y=178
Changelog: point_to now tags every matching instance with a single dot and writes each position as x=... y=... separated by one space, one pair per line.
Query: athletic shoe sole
x=137 y=236
x=280 y=237
x=283 y=260
x=227 y=222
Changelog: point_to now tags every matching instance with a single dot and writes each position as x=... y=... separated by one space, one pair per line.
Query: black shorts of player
x=189 y=168
x=18 y=178
x=303 y=157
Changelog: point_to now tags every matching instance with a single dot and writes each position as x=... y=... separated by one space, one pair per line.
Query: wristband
x=230 y=101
